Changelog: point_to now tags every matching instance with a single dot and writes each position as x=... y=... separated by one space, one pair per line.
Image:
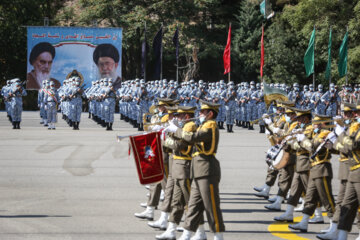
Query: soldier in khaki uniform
x=319 y=186
x=301 y=176
x=285 y=174
x=155 y=189
x=343 y=174
x=278 y=122
x=205 y=171
x=181 y=172
x=165 y=207
x=349 y=144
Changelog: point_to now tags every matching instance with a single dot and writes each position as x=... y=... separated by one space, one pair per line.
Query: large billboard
x=57 y=53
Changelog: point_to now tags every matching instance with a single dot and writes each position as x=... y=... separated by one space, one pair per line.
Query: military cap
x=165 y=101
x=208 y=105
x=186 y=109
x=285 y=104
x=172 y=109
x=106 y=50
x=349 y=107
x=302 y=112
x=320 y=118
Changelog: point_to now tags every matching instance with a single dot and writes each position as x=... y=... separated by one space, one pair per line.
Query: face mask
x=332 y=89
x=202 y=119
x=316 y=130
x=302 y=125
x=161 y=114
x=287 y=118
x=347 y=121
x=274 y=109
x=358 y=120
x=181 y=123
x=252 y=87
x=106 y=84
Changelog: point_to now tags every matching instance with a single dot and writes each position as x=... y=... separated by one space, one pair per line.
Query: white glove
x=332 y=137
x=339 y=129
x=156 y=128
x=267 y=121
x=300 y=137
x=267 y=132
x=276 y=130
x=45 y=107
x=171 y=128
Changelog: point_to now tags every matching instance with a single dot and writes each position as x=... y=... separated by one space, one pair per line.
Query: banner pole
x=314 y=58
x=230 y=55
x=161 y=53
x=177 y=59
x=145 y=54
x=346 y=76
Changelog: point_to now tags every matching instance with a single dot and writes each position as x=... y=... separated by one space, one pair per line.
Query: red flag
x=148 y=157
x=262 y=53
x=226 y=55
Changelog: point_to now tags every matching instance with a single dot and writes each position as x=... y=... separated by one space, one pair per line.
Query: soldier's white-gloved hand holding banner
x=300 y=137
x=339 y=129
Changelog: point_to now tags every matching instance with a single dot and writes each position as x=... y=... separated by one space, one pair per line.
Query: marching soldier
x=52 y=100
x=301 y=175
x=331 y=100
x=318 y=104
x=109 y=104
x=205 y=171
x=319 y=186
x=17 y=92
x=285 y=174
x=349 y=145
x=230 y=105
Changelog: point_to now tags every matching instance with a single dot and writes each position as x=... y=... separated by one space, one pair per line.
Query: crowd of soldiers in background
x=241 y=104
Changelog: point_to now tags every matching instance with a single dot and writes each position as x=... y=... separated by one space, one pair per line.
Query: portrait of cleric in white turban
x=41 y=58
x=106 y=58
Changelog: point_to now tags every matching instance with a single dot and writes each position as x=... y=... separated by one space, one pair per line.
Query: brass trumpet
x=257 y=120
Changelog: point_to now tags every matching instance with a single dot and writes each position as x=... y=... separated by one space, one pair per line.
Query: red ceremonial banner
x=226 y=56
x=148 y=157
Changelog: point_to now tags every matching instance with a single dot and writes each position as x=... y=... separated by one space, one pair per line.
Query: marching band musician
x=285 y=174
x=319 y=185
x=348 y=142
x=159 y=121
x=16 y=93
x=52 y=100
x=205 y=171
x=300 y=180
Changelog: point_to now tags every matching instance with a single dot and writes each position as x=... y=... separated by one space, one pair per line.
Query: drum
x=276 y=157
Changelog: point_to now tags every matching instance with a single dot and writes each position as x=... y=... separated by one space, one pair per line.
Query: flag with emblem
x=272 y=94
x=148 y=157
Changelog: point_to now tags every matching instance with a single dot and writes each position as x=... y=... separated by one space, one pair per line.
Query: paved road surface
x=67 y=184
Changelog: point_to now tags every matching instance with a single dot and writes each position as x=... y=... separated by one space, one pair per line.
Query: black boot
x=240 y=123
x=231 y=128
x=126 y=119
x=14 y=125
x=110 y=126
x=107 y=126
x=121 y=117
x=136 y=125
x=227 y=127
x=18 y=125
x=89 y=115
x=244 y=124
x=218 y=123
x=251 y=127
x=74 y=125
x=222 y=125
x=71 y=123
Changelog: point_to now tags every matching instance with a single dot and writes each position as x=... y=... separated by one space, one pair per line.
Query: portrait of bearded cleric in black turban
x=41 y=58
x=106 y=58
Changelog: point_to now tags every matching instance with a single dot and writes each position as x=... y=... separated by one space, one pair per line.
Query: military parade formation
x=305 y=133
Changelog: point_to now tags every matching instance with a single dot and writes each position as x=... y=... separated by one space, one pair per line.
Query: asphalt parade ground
x=66 y=184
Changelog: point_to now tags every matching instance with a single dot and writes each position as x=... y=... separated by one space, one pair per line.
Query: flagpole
x=161 y=53
x=177 y=59
x=145 y=54
x=230 y=57
x=330 y=65
x=346 y=76
x=314 y=58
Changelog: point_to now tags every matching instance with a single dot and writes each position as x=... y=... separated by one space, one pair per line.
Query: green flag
x=262 y=7
x=328 y=66
x=343 y=56
x=309 y=55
